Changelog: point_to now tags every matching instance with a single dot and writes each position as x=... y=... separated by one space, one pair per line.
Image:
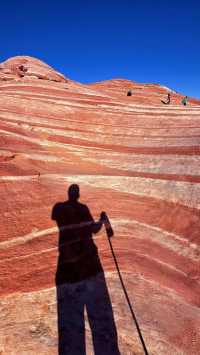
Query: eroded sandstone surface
x=133 y=157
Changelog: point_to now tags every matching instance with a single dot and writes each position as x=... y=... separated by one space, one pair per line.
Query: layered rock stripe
x=133 y=157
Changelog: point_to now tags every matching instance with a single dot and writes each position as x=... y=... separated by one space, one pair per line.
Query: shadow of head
x=73 y=192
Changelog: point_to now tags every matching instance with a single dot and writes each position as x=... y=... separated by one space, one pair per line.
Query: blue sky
x=146 y=41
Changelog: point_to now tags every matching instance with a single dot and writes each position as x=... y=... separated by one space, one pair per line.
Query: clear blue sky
x=143 y=40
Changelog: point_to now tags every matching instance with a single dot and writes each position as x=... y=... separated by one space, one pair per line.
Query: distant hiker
x=21 y=70
x=129 y=93
x=185 y=101
x=168 y=100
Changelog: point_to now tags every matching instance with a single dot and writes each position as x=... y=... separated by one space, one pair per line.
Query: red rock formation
x=28 y=67
x=133 y=157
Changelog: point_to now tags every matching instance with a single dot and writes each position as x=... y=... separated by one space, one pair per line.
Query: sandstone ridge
x=133 y=157
x=28 y=67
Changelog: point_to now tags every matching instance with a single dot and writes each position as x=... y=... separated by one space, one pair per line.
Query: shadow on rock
x=80 y=282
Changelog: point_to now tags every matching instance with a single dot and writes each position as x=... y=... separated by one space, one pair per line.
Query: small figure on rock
x=129 y=93
x=185 y=101
x=22 y=70
x=167 y=102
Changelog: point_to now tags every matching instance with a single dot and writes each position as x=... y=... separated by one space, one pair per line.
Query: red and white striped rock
x=133 y=157
x=25 y=66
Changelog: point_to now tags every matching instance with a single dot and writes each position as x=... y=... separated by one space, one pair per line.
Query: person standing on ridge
x=185 y=101
x=168 y=100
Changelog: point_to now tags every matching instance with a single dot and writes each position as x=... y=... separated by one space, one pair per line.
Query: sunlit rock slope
x=133 y=157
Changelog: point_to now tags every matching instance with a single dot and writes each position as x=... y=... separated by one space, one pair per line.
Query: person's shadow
x=80 y=282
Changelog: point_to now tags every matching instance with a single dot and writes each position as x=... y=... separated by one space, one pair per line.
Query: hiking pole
x=110 y=233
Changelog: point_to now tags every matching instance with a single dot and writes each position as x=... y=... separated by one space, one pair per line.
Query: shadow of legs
x=71 y=324
x=100 y=316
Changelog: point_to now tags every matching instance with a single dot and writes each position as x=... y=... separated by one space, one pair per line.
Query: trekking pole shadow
x=110 y=234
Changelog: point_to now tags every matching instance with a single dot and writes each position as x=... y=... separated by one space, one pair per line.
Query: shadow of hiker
x=80 y=282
